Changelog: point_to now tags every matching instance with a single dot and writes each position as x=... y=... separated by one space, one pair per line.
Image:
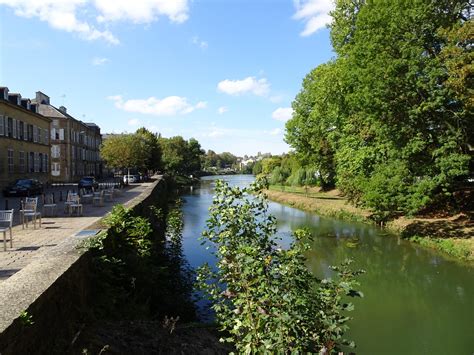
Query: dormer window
x=4 y=93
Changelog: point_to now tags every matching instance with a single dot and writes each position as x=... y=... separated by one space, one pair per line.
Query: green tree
x=174 y=153
x=257 y=168
x=193 y=156
x=394 y=106
x=269 y=164
x=151 y=141
x=315 y=127
x=125 y=151
x=180 y=156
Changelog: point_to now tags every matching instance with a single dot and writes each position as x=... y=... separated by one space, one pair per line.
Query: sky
x=223 y=72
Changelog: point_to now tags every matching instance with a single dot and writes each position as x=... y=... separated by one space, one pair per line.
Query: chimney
x=42 y=98
x=62 y=109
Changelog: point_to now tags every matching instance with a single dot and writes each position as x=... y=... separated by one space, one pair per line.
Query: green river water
x=416 y=300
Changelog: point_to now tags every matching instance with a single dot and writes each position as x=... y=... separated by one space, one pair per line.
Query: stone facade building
x=24 y=140
x=74 y=144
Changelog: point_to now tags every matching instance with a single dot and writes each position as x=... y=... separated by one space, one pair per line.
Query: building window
x=9 y=130
x=30 y=133
x=10 y=161
x=25 y=131
x=56 y=169
x=55 y=151
x=31 y=162
x=35 y=134
x=21 y=160
x=40 y=162
x=21 y=130
x=45 y=163
x=36 y=157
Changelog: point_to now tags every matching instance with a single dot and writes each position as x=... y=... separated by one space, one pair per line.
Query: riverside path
x=30 y=244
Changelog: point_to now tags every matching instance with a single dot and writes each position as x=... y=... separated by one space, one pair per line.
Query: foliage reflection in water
x=416 y=301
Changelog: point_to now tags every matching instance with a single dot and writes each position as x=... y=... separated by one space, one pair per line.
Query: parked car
x=24 y=187
x=88 y=183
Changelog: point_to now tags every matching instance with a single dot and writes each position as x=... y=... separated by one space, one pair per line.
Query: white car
x=127 y=179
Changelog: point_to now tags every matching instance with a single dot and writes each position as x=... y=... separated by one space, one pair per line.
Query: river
x=416 y=300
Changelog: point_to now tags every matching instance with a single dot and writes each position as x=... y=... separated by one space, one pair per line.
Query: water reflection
x=413 y=303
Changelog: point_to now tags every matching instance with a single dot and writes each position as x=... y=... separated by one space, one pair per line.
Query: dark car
x=88 y=183
x=24 y=187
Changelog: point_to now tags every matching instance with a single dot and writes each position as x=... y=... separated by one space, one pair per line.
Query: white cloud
x=259 y=87
x=168 y=106
x=282 y=114
x=141 y=11
x=315 y=14
x=221 y=110
x=200 y=43
x=64 y=14
x=133 y=122
x=201 y=104
x=60 y=15
x=99 y=61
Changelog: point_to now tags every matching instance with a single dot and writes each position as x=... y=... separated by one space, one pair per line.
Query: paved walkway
x=29 y=244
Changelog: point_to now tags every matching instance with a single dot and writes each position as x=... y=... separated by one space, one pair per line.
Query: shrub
x=264 y=297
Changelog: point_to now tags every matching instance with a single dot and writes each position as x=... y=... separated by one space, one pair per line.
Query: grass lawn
x=452 y=235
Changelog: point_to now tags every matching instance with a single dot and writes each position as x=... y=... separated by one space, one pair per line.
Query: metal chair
x=86 y=196
x=6 y=218
x=75 y=206
x=69 y=201
x=98 y=199
x=28 y=209
x=109 y=194
x=49 y=205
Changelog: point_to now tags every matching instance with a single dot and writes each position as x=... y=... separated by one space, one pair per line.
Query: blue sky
x=224 y=72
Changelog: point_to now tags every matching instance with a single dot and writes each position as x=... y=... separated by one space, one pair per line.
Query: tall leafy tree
x=125 y=151
x=180 y=156
x=153 y=161
x=391 y=115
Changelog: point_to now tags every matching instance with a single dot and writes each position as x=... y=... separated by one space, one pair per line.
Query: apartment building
x=74 y=144
x=24 y=139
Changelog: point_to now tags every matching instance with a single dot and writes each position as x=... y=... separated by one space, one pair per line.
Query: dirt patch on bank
x=148 y=337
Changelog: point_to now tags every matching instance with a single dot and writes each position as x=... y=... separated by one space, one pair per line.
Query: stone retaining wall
x=54 y=292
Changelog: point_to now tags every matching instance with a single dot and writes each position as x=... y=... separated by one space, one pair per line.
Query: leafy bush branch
x=264 y=296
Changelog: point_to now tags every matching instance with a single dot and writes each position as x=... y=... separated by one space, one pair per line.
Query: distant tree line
x=389 y=120
x=213 y=161
x=146 y=151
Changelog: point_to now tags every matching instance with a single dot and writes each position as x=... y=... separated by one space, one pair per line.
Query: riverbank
x=452 y=235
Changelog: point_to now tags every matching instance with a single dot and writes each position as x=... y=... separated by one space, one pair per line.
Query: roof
x=51 y=111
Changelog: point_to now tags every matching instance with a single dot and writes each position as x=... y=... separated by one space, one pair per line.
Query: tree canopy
x=124 y=151
x=389 y=120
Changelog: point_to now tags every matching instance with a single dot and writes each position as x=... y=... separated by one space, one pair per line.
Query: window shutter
x=61 y=134
x=25 y=131
x=14 y=128
x=2 y=129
